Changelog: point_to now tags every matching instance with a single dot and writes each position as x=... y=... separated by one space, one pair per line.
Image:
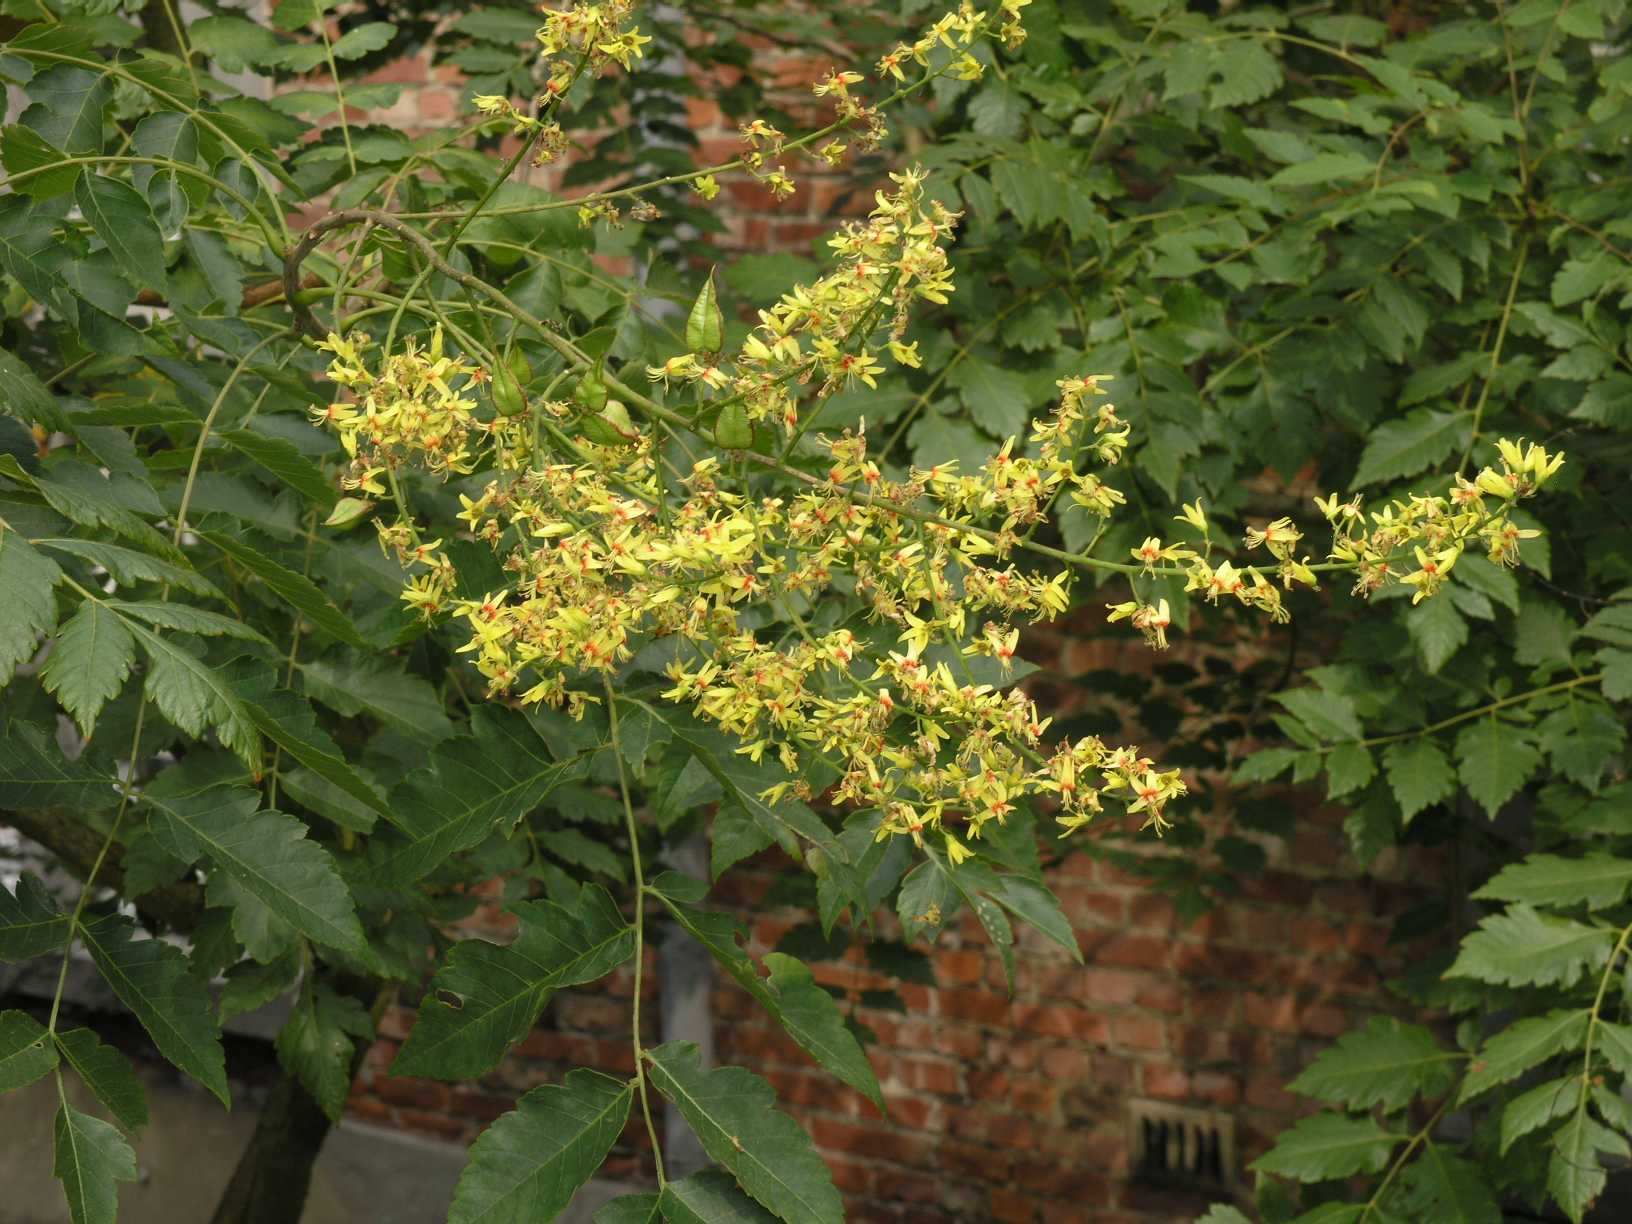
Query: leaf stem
x=640 y=928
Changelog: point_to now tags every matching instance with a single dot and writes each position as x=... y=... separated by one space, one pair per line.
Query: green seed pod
x=610 y=426
x=520 y=366
x=508 y=397
x=348 y=511
x=733 y=431
x=590 y=393
x=705 y=325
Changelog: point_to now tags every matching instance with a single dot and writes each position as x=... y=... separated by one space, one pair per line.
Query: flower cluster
x=1435 y=531
x=825 y=331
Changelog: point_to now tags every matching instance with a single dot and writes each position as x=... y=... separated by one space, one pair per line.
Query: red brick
x=961 y=966
x=1165 y=1083
x=425 y=1094
x=981 y=1006
x=1065 y=1063
x=1216 y=1087
x=1127 y=951
x=1277 y=1012
x=1010 y=1207
x=926 y=1075
x=1138 y=1032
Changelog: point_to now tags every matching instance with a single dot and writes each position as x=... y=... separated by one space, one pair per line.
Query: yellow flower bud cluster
x=596 y=32
x=609 y=553
x=1435 y=531
x=824 y=331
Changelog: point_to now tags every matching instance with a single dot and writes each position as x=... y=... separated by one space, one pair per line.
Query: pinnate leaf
x=265 y=852
x=732 y=1112
x=89 y=662
x=1596 y=880
x=1386 y=1063
x=486 y=997
x=1523 y=947
x=1522 y=1045
x=26 y=1050
x=108 y=1074
x=27 y=577
x=529 y=1164
x=91 y=1159
x=1328 y=1145
x=152 y=979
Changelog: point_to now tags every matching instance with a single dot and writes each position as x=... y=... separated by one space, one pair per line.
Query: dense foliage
x=637 y=568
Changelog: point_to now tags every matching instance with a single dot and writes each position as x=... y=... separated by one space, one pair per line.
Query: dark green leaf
x=152 y=979
x=1387 y=1063
x=89 y=662
x=529 y=1164
x=1523 y=947
x=732 y=1112
x=123 y=221
x=1329 y=1145
x=1597 y=880
x=91 y=1159
x=27 y=577
x=26 y=1050
x=108 y=1074
x=300 y=592
x=708 y=1197
x=316 y=1044
x=1497 y=759
x=1522 y=1045
x=30 y=923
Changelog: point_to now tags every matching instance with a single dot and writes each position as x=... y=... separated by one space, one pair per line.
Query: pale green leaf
x=1404 y=447
x=194 y=696
x=1597 y=880
x=122 y=219
x=1575 y=1172
x=1438 y=630
x=1538 y=1106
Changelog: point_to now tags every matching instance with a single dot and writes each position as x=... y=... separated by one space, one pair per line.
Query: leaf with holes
x=487 y=997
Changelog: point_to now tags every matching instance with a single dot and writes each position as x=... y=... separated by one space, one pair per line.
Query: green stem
x=633 y=829
x=1496 y=351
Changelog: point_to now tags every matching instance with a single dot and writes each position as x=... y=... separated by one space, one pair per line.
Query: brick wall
x=1001 y=1108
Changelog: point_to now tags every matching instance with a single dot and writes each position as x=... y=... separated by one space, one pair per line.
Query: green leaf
x=67 y=110
x=1419 y=774
x=1348 y=768
x=300 y=592
x=705 y=325
x=1597 y=880
x=472 y=789
x=402 y=701
x=1575 y=1174
x=108 y=1074
x=1438 y=631
x=30 y=923
x=23 y=150
x=812 y=1019
x=266 y=852
x=1538 y=1106
x=184 y=618
x=316 y=1044
x=122 y=219
x=91 y=1158
x=129 y=567
x=1409 y=445
x=35 y=773
x=364 y=39
x=708 y=1197
x=1542 y=634
x=997 y=399
x=1523 y=947
x=1329 y=1145
x=89 y=662
x=1387 y=1063
x=194 y=696
x=1324 y=169
x=1497 y=759
x=529 y=1164
x=1448 y=1190
x=27 y=577
x=487 y=997
x=732 y=1112
x=1613 y=625
x=1329 y=715
x=1617 y=673
x=153 y=981
x=804 y=1009
x=284 y=461
x=1522 y=1045
x=1034 y=903
x=26 y=1050
x=631 y=1209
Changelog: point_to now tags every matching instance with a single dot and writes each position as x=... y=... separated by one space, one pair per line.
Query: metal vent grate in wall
x=1178 y=1146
